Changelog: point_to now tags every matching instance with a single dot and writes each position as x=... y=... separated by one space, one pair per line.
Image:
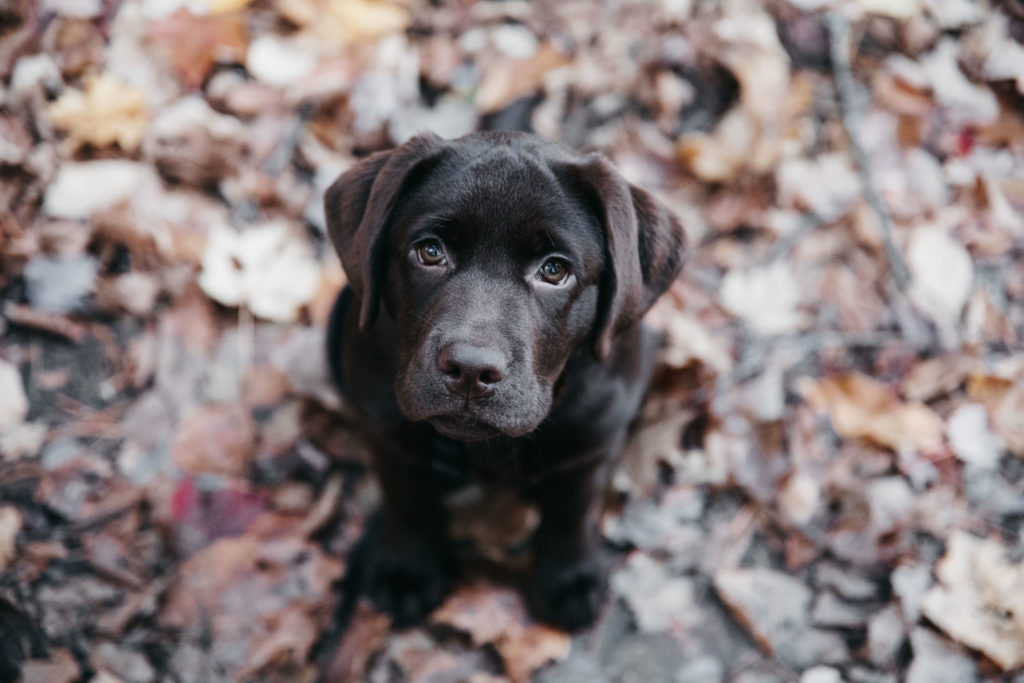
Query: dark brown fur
x=483 y=358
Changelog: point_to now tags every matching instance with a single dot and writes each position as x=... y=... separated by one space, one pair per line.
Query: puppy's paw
x=570 y=596
x=406 y=586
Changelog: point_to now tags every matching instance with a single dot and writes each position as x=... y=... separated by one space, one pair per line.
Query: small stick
x=53 y=323
x=839 y=44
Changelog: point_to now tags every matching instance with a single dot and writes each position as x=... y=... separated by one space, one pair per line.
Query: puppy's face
x=492 y=276
x=497 y=255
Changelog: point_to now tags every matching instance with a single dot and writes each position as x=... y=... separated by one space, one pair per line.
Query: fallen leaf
x=865 y=408
x=935 y=377
x=659 y=601
x=970 y=437
x=254 y=601
x=827 y=186
x=13 y=402
x=936 y=660
x=279 y=61
x=898 y=9
x=980 y=598
x=59 y=668
x=82 y=189
x=943 y=275
x=1004 y=400
x=270 y=268
x=194 y=43
x=108 y=112
x=191 y=143
x=509 y=79
x=366 y=634
x=60 y=284
x=765 y=297
x=964 y=102
x=216 y=439
x=10 y=525
x=497 y=615
x=775 y=609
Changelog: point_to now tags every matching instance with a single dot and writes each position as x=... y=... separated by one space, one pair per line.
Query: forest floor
x=826 y=483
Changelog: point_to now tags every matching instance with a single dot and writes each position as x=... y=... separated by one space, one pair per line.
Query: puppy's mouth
x=464 y=427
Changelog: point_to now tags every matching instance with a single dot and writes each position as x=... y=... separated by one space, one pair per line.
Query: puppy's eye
x=555 y=271
x=430 y=253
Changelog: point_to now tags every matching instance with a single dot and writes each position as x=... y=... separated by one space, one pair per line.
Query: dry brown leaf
x=263 y=601
x=497 y=615
x=216 y=439
x=366 y=634
x=59 y=668
x=1004 y=400
x=980 y=599
x=509 y=79
x=937 y=376
x=193 y=44
x=864 y=408
x=346 y=21
x=108 y=112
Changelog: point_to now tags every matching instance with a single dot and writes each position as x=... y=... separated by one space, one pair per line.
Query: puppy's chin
x=463 y=428
x=509 y=414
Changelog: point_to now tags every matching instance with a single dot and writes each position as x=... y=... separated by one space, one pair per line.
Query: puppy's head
x=497 y=255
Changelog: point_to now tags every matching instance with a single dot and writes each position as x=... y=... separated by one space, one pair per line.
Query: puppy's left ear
x=644 y=247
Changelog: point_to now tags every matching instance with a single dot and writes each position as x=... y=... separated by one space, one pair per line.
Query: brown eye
x=430 y=253
x=555 y=271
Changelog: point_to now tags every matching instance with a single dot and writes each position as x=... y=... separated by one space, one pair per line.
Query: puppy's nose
x=470 y=371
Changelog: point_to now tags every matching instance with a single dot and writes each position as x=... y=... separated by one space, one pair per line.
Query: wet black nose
x=470 y=371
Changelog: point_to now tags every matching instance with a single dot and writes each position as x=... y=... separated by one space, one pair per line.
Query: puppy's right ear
x=358 y=206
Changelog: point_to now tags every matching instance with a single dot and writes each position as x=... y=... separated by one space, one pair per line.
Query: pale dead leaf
x=827 y=186
x=82 y=189
x=723 y=154
x=970 y=437
x=1003 y=398
x=59 y=668
x=943 y=275
x=862 y=407
x=980 y=598
x=765 y=297
x=497 y=615
x=659 y=601
x=508 y=79
x=898 y=9
x=346 y=21
x=270 y=268
x=108 y=112
x=964 y=102
x=799 y=497
x=13 y=402
x=10 y=525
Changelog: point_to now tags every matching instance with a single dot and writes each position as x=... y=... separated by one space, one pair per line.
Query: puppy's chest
x=456 y=465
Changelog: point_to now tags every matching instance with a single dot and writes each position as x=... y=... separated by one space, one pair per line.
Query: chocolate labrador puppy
x=492 y=326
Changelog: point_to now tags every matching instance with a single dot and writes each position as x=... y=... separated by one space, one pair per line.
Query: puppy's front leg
x=408 y=566
x=568 y=582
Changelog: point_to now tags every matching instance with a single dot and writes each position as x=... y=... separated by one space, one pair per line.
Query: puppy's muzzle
x=471 y=371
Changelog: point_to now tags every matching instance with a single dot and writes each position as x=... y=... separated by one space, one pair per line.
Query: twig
x=839 y=44
x=782 y=246
x=282 y=154
x=59 y=325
